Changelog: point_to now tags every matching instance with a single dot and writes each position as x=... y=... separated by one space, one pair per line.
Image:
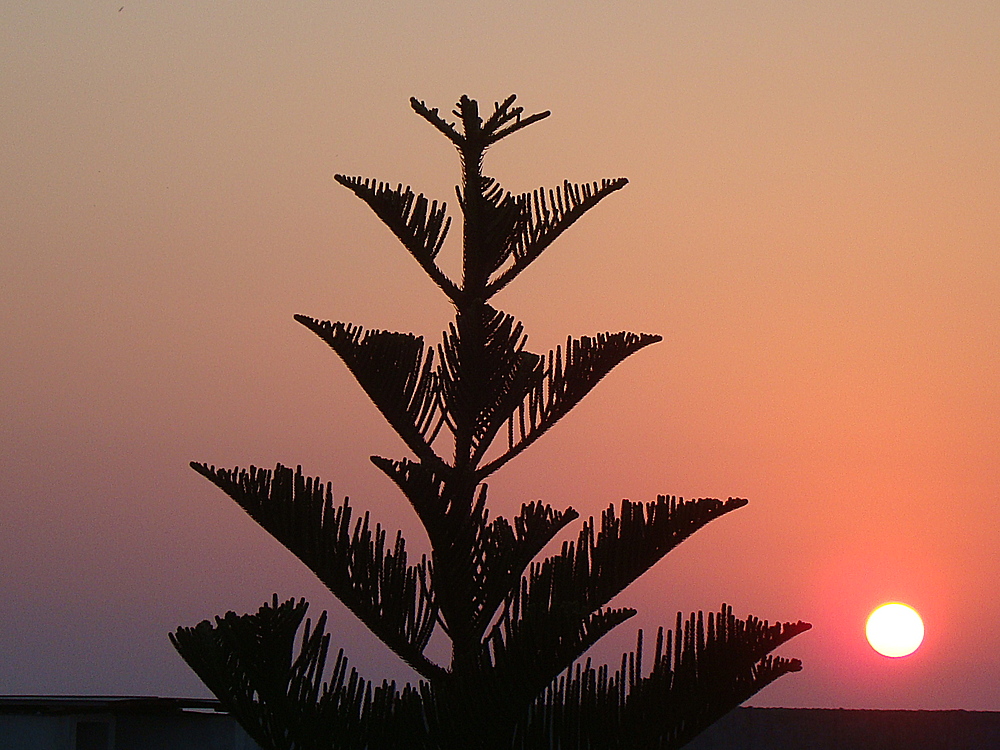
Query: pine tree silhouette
x=517 y=627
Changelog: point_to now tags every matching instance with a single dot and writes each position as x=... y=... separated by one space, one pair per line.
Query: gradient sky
x=812 y=224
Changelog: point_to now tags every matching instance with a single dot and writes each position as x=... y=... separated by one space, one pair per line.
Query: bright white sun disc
x=894 y=629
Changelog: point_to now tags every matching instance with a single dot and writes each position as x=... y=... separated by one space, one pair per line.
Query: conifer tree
x=519 y=627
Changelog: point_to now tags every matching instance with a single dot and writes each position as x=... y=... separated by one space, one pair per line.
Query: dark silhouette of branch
x=397 y=373
x=534 y=643
x=452 y=515
x=542 y=216
x=258 y=650
x=565 y=380
x=484 y=373
x=282 y=700
x=504 y=550
x=422 y=228
x=432 y=116
x=558 y=610
x=372 y=579
x=522 y=226
x=504 y=114
x=501 y=224
x=698 y=677
x=602 y=563
x=434 y=499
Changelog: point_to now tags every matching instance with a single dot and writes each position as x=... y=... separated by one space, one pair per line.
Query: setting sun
x=894 y=629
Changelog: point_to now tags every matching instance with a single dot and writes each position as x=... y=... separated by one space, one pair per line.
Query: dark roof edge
x=881 y=711
x=93 y=704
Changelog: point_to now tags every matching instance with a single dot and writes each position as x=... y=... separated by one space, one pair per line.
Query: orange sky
x=812 y=224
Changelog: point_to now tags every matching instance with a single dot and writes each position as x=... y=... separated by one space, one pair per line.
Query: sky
x=811 y=224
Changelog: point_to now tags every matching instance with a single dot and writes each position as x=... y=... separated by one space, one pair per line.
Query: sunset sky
x=812 y=224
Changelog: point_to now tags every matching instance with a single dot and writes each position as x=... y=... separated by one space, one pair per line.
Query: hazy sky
x=812 y=224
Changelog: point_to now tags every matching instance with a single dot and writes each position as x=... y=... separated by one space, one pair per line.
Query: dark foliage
x=518 y=626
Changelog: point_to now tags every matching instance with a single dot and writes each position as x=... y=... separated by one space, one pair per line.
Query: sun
x=894 y=629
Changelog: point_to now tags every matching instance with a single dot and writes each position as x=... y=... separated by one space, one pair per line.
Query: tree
x=518 y=627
